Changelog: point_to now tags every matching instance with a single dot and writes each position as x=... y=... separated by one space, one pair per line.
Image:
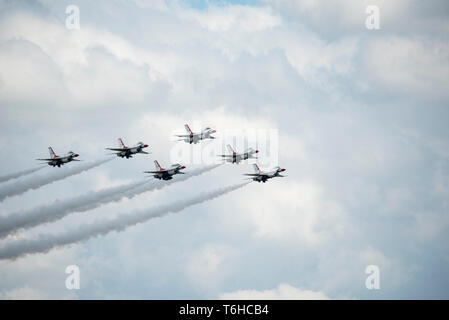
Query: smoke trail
x=37 y=182
x=61 y=208
x=158 y=185
x=46 y=242
x=16 y=175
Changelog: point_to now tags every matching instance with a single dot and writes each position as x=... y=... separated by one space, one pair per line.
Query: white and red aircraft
x=55 y=160
x=235 y=157
x=127 y=152
x=261 y=176
x=192 y=137
x=166 y=174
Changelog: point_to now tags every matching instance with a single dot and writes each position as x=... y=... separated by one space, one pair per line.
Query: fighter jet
x=166 y=174
x=235 y=157
x=192 y=137
x=127 y=152
x=55 y=160
x=260 y=176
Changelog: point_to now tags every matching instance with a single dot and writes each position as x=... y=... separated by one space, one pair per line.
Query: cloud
x=346 y=17
x=40 y=277
x=24 y=293
x=298 y=212
x=207 y=266
x=283 y=292
x=42 y=80
x=242 y=19
x=63 y=61
x=402 y=65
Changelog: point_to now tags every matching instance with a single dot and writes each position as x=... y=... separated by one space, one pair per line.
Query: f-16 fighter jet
x=260 y=176
x=55 y=160
x=235 y=157
x=127 y=152
x=166 y=174
x=192 y=137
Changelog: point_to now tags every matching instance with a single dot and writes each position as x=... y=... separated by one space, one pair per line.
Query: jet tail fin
x=52 y=153
x=120 y=143
x=231 y=150
x=188 y=129
x=157 y=165
x=256 y=168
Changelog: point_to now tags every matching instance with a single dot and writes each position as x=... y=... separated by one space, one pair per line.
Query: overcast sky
x=362 y=121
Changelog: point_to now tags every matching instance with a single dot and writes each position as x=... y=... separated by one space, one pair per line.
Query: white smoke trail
x=160 y=185
x=61 y=208
x=37 y=182
x=16 y=175
x=46 y=242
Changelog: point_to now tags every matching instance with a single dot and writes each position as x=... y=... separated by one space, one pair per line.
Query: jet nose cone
x=145 y=145
x=282 y=169
x=213 y=131
x=183 y=167
x=76 y=155
x=257 y=151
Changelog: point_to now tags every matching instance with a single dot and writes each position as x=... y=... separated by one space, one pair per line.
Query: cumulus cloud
x=402 y=65
x=343 y=17
x=283 y=292
x=298 y=214
x=207 y=266
x=242 y=19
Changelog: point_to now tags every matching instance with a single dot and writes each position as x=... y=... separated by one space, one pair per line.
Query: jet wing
x=47 y=159
x=256 y=174
x=117 y=149
x=182 y=135
x=143 y=152
x=160 y=171
x=225 y=155
x=173 y=171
